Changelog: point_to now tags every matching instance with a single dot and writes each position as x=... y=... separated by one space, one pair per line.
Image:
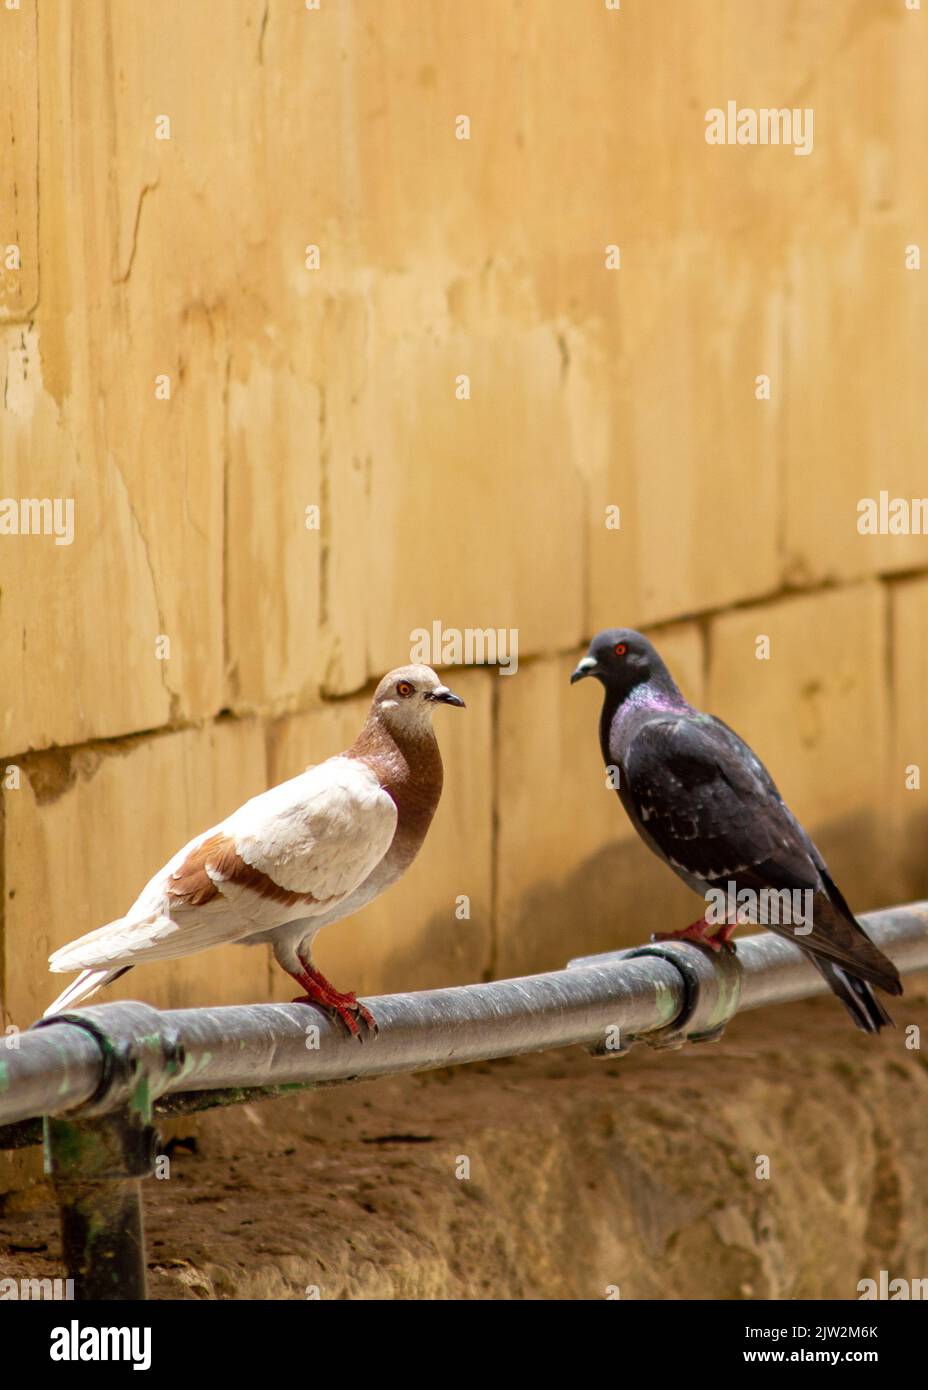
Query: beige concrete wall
x=335 y=388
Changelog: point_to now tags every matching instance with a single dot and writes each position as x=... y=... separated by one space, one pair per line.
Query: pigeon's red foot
x=699 y=932
x=344 y=1007
x=725 y=933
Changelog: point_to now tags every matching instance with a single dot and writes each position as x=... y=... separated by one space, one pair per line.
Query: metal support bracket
x=711 y=994
x=140 y=1053
x=95 y=1166
x=97 y=1155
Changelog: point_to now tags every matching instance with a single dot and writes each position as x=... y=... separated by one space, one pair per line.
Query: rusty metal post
x=97 y=1156
x=96 y=1166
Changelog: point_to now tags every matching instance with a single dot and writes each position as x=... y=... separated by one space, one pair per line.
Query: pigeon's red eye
x=405 y=689
x=620 y=649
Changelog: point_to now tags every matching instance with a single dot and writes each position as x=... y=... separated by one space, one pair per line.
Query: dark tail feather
x=875 y=966
x=856 y=996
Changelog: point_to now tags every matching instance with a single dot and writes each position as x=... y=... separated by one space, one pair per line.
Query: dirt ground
x=554 y=1177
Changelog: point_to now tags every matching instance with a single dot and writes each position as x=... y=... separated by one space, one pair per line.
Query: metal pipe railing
x=91 y=1060
x=94 y=1075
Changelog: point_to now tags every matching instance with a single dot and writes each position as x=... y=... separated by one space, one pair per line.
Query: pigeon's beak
x=587 y=667
x=443 y=696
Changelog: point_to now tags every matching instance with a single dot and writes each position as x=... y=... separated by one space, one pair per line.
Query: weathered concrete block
x=19 y=159
x=76 y=662
x=486 y=534
x=854 y=427
x=86 y=830
x=274 y=551
x=689 y=456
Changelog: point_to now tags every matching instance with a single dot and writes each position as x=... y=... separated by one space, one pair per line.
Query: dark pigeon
x=706 y=805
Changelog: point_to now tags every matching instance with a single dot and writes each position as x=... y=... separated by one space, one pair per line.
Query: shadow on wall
x=622 y=894
x=913 y=853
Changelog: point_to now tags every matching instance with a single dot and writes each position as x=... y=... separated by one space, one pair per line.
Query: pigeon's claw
x=347 y=1010
x=723 y=937
x=367 y=1018
x=343 y=1007
x=699 y=932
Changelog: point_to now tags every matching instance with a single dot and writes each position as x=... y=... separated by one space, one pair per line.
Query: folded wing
x=709 y=805
x=295 y=851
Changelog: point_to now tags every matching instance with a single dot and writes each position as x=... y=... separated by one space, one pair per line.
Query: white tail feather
x=103 y=943
x=87 y=983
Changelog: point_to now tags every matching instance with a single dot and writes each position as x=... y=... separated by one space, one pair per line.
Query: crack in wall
x=174 y=696
x=20 y=312
x=146 y=189
x=264 y=20
x=229 y=671
x=493 y=954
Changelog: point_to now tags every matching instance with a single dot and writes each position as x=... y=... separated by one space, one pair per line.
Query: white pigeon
x=292 y=860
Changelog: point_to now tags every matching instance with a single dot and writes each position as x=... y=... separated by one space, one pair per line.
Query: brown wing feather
x=194 y=882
